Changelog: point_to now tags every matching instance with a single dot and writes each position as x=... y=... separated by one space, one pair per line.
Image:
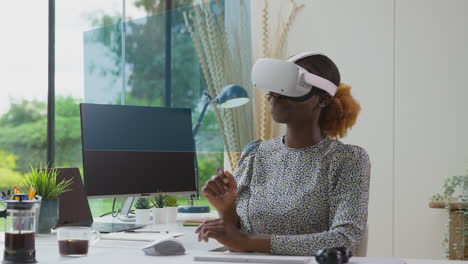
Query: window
x=23 y=92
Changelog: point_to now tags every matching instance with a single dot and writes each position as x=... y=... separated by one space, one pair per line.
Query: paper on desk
x=253 y=258
x=139 y=236
x=266 y=258
x=361 y=260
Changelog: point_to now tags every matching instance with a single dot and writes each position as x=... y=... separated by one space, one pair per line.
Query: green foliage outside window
x=23 y=143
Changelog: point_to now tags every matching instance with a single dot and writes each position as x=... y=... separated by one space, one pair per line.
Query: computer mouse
x=164 y=247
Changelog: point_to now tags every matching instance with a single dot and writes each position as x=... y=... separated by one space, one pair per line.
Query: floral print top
x=308 y=198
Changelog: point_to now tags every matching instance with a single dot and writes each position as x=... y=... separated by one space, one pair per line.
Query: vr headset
x=286 y=78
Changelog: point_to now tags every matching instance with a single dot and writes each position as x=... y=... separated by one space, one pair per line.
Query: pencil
x=32 y=192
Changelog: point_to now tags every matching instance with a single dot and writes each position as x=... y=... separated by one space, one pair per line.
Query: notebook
x=140 y=236
x=196 y=222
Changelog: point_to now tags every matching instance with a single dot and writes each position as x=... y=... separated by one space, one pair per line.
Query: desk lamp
x=230 y=97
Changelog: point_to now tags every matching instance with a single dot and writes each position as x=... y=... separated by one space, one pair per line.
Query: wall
x=430 y=113
x=404 y=60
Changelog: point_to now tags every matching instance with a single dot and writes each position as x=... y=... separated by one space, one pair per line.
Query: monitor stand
x=124 y=215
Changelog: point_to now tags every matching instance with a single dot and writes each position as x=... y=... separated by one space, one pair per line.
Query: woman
x=302 y=192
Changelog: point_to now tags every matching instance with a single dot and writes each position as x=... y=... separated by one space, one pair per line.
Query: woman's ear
x=324 y=100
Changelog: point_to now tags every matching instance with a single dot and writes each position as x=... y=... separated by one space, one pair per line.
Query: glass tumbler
x=74 y=241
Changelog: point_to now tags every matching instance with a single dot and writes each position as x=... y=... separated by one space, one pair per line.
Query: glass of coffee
x=74 y=241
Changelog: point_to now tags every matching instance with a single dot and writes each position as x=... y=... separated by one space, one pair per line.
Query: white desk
x=129 y=252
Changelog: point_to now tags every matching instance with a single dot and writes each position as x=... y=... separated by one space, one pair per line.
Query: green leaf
x=45 y=182
x=142 y=203
x=171 y=201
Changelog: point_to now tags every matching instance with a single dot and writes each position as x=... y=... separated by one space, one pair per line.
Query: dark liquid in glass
x=73 y=247
x=19 y=247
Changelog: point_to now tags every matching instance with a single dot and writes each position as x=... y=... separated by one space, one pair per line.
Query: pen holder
x=160 y=215
x=142 y=216
x=171 y=214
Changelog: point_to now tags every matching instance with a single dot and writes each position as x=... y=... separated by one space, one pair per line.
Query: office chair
x=361 y=250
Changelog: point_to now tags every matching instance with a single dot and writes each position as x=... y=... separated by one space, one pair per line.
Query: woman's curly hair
x=341 y=113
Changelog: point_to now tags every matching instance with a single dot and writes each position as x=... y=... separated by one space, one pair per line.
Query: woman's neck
x=302 y=136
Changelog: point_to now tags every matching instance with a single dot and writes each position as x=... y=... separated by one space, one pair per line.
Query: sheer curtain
x=220 y=31
x=273 y=45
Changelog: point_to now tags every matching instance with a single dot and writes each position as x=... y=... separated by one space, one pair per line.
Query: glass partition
x=160 y=65
x=160 y=55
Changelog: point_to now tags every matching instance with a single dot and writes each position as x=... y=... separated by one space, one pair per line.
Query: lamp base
x=194 y=209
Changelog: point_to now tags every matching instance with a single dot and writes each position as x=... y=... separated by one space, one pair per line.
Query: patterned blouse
x=305 y=198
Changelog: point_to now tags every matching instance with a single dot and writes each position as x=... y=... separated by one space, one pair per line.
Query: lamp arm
x=208 y=101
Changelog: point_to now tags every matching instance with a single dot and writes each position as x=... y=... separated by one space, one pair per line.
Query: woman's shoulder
x=245 y=163
x=249 y=152
x=255 y=147
x=252 y=147
x=348 y=159
x=355 y=151
x=349 y=152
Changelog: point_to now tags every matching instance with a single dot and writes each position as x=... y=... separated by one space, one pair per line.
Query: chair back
x=362 y=247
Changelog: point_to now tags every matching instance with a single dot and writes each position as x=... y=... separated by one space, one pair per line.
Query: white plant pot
x=160 y=215
x=142 y=216
x=172 y=214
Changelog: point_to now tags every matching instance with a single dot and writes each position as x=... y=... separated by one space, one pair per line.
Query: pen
x=143 y=231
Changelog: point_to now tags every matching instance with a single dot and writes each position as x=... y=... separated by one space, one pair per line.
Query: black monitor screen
x=137 y=150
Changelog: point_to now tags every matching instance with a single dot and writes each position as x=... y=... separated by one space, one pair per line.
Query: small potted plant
x=142 y=211
x=44 y=181
x=159 y=211
x=455 y=199
x=171 y=207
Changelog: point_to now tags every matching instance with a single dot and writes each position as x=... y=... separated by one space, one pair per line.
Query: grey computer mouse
x=164 y=247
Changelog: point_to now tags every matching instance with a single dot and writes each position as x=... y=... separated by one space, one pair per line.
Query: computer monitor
x=134 y=150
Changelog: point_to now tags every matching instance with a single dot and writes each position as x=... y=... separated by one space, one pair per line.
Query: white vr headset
x=286 y=78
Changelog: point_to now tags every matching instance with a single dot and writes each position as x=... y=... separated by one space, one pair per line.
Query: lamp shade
x=232 y=96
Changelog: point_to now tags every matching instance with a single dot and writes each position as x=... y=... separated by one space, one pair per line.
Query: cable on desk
x=113 y=207
x=113 y=212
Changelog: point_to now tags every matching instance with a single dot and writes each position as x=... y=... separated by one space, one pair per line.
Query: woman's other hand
x=224 y=232
x=221 y=191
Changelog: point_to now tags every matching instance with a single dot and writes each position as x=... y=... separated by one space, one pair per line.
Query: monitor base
x=124 y=215
x=128 y=218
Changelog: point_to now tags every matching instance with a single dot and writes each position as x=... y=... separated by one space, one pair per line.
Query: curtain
x=223 y=44
x=274 y=45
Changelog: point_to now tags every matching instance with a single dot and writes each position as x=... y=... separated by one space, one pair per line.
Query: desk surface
x=116 y=252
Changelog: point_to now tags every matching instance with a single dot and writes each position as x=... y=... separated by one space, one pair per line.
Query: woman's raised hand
x=221 y=191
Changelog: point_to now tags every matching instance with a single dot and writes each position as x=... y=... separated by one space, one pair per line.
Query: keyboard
x=113 y=227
